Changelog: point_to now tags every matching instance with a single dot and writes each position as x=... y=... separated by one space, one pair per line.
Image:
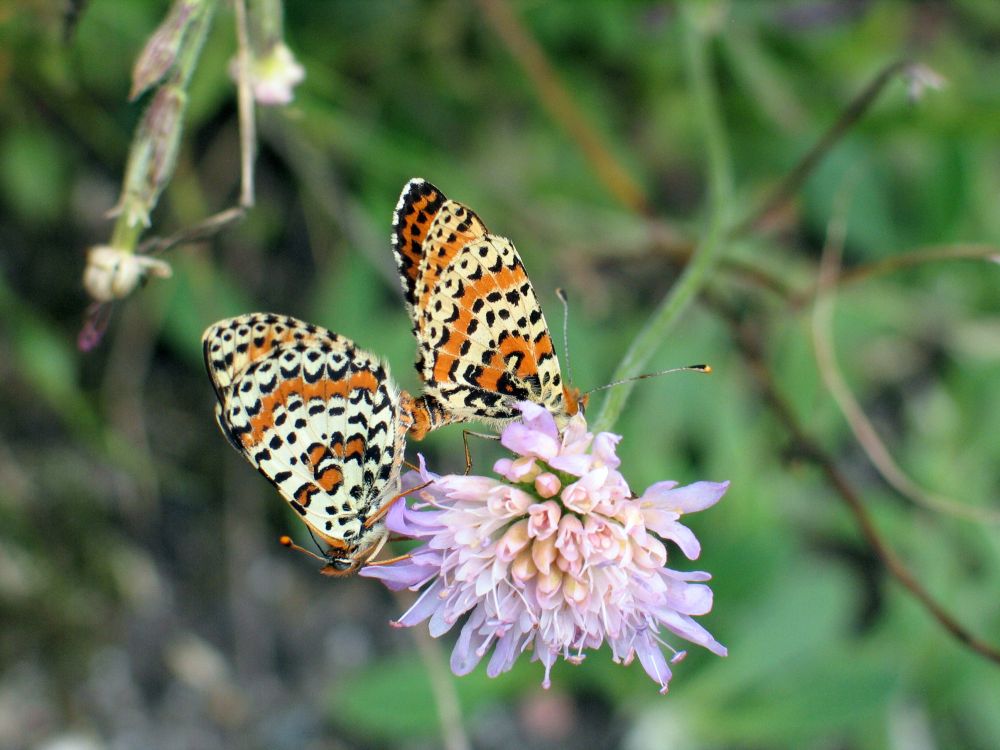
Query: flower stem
x=453 y=736
x=709 y=248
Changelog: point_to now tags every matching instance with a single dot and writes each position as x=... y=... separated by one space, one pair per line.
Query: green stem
x=190 y=53
x=708 y=250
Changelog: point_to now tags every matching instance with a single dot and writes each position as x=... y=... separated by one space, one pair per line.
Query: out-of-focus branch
x=748 y=341
x=897 y=263
x=861 y=426
x=791 y=183
x=203 y=230
x=245 y=106
x=453 y=736
x=556 y=99
x=704 y=259
x=153 y=151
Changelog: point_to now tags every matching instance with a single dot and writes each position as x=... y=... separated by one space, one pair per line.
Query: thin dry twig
x=866 y=271
x=245 y=105
x=861 y=426
x=556 y=99
x=791 y=183
x=203 y=230
x=748 y=342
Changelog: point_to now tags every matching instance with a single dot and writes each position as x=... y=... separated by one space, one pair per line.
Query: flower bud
x=113 y=273
x=513 y=541
x=575 y=592
x=920 y=78
x=160 y=53
x=543 y=519
x=549 y=583
x=273 y=75
x=543 y=552
x=523 y=568
x=547 y=484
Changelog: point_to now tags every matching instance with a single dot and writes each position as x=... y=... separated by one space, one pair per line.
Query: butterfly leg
x=391 y=560
x=380 y=513
x=465 y=444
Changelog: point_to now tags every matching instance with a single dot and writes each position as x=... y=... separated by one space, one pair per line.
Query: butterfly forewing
x=418 y=205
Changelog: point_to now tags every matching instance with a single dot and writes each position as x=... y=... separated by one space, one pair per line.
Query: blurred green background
x=144 y=600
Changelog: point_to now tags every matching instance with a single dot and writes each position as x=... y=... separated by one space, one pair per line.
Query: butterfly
x=482 y=341
x=320 y=418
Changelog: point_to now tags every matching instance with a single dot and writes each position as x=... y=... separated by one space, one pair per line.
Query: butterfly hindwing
x=321 y=419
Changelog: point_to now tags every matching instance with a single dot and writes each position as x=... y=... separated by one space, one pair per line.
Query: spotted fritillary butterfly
x=483 y=344
x=321 y=419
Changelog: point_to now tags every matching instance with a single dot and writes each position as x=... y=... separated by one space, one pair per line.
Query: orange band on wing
x=531 y=353
x=262 y=422
x=355 y=447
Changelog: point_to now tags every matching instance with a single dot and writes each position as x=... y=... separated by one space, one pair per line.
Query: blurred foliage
x=144 y=600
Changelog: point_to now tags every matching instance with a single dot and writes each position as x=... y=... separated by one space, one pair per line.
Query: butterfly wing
x=418 y=205
x=483 y=341
x=318 y=417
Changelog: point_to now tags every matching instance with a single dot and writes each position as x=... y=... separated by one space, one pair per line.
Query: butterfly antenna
x=706 y=369
x=561 y=294
x=286 y=541
x=315 y=541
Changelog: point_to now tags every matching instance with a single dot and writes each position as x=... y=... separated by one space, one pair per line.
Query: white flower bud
x=113 y=273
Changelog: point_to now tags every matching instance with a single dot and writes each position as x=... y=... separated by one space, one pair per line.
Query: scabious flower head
x=558 y=556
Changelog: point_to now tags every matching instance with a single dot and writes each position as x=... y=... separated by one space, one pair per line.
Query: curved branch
x=801 y=171
x=861 y=426
x=749 y=344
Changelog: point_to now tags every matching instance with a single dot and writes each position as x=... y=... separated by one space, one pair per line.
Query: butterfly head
x=575 y=401
x=346 y=558
x=341 y=567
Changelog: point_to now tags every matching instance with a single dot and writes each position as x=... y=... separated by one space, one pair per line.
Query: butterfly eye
x=338 y=567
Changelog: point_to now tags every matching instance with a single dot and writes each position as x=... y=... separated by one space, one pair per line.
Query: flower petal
x=411 y=573
x=604 y=449
x=538 y=418
x=686 y=499
x=577 y=465
x=682 y=536
x=402 y=519
x=468 y=651
x=652 y=660
x=423 y=608
x=527 y=442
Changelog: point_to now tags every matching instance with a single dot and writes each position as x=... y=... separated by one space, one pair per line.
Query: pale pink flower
x=273 y=76
x=547 y=485
x=556 y=558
